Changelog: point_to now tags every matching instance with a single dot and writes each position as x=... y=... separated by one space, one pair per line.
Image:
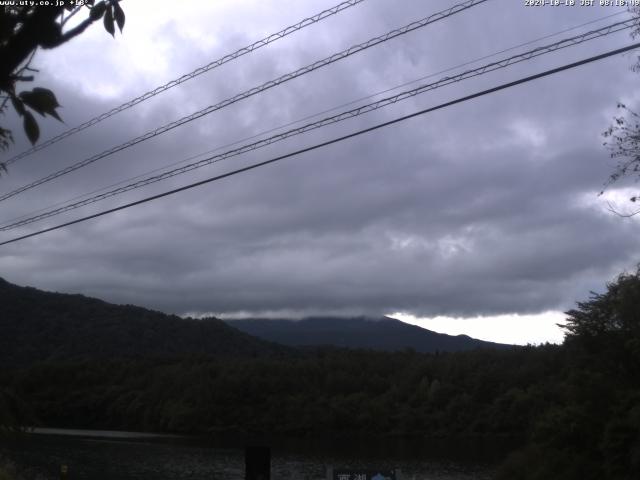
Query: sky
x=480 y=218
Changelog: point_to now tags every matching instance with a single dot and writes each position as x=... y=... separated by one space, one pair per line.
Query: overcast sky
x=482 y=217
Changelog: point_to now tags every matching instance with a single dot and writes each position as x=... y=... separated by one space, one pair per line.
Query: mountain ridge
x=385 y=333
x=37 y=325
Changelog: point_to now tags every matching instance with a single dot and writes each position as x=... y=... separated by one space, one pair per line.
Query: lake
x=103 y=455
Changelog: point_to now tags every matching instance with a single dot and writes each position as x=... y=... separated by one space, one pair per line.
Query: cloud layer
x=485 y=208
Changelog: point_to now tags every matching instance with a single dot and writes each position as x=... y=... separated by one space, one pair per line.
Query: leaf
x=108 y=22
x=31 y=127
x=17 y=104
x=97 y=11
x=118 y=13
x=42 y=100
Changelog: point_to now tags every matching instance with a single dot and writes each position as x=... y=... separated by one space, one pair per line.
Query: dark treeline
x=328 y=391
x=572 y=410
x=578 y=416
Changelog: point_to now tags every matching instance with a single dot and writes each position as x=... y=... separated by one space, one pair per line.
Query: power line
x=314 y=115
x=332 y=141
x=460 y=65
x=199 y=71
x=253 y=91
x=490 y=67
x=317 y=114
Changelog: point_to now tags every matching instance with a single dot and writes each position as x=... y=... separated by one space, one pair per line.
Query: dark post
x=257 y=463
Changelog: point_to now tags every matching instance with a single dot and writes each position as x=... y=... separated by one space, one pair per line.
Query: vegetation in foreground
x=576 y=407
x=9 y=471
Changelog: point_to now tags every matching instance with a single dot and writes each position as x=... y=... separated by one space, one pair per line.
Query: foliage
x=27 y=26
x=623 y=141
x=14 y=412
x=7 y=472
x=594 y=433
x=10 y=471
x=572 y=410
x=622 y=138
x=326 y=392
x=614 y=313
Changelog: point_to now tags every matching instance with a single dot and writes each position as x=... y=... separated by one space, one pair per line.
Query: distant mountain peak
x=374 y=333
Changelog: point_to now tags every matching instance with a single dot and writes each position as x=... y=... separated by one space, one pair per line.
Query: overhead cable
x=198 y=71
x=385 y=102
x=332 y=141
x=316 y=114
x=253 y=91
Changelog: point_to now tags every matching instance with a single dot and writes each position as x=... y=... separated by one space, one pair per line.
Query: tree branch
x=22 y=78
x=39 y=29
x=612 y=209
x=73 y=12
x=74 y=32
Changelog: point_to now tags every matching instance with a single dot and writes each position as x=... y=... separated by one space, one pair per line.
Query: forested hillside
x=40 y=326
x=572 y=411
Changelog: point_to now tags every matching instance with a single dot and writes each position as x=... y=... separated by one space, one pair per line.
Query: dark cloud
x=484 y=208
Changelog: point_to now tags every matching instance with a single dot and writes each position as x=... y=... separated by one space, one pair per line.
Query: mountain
x=360 y=332
x=41 y=326
x=36 y=326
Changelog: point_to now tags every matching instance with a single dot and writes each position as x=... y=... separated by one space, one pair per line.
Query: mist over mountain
x=47 y=326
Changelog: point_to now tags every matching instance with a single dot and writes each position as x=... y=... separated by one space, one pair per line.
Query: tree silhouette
x=611 y=314
x=622 y=138
x=24 y=29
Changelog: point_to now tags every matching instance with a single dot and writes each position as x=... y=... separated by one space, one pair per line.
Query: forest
x=572 y=410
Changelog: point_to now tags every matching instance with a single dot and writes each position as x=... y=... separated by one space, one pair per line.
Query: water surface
x=106 y=455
